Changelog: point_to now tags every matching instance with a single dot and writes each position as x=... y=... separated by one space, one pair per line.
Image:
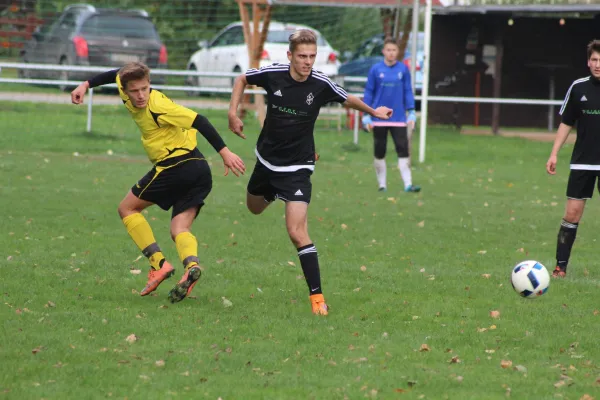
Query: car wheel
x=63 y=75
x=192 y=81
x=24 y=73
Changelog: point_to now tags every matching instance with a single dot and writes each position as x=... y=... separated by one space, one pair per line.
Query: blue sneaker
x=413 y=189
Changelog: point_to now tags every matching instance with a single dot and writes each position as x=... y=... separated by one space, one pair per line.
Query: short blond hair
x=133 y=71
x=302 y=36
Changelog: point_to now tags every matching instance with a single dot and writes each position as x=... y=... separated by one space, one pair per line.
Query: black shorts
x=581 y=184
x=180 y=182
x=399 y=135
x=287 y=186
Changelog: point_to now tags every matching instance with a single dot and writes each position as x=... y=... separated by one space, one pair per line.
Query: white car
x=227 y=52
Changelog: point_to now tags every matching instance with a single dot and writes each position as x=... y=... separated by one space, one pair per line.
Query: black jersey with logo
x=582 y=106
x=286 y=142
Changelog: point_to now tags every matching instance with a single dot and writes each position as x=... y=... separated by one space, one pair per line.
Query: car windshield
x=116 y=25
x=282 y=36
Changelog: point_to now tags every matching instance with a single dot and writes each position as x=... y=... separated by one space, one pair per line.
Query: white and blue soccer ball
x=530 y=279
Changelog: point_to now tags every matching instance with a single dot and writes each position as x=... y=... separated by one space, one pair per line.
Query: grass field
x=410 y=279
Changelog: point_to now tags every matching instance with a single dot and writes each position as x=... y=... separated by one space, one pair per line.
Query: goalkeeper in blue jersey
x=388 y=84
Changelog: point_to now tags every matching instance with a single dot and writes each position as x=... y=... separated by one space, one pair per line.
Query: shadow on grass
x=351 y=147
x=101 y=136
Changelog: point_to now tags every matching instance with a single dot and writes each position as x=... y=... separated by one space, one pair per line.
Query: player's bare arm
x=561 y=136
x=356 y=103
x=235 y=123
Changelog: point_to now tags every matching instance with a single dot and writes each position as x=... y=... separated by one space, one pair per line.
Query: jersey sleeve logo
x=309 y=99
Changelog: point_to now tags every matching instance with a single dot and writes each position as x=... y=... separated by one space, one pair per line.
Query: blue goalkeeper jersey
x=390 y=86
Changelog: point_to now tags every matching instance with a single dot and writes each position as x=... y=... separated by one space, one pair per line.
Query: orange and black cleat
x=185 y=285
x=155 y=277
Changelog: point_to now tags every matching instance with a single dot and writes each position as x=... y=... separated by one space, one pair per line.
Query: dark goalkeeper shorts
x=581 y=184
x=287 y=186
x=180 y=182
x=399 y=135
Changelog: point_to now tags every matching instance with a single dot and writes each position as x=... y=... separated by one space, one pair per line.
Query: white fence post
x=89 y=111
x=356 y=127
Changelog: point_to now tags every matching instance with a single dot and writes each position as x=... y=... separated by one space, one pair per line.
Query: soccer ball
x=530 y=279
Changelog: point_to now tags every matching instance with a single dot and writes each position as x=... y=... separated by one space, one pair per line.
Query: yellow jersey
x=166 y=127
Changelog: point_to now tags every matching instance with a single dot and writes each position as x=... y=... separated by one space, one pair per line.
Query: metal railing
x=342 y=80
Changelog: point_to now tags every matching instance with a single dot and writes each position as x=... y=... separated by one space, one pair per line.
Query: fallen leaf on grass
x=226 y=302
x=50 y=304
x=159 y=363
x=424 y=347
x=421 y=224
x=344 y=226
x=506 y=364
x=356 y=290
x=482 y=252
x=521 y=368
x=37 y=350
x=495 y=314
x=131 y=338
x=586 y=397
x=292 y=263
x=135 y=271
x=454 y=360
x=363 y=268
x=486 y=276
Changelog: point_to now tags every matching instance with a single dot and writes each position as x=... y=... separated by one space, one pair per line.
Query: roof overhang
x=523 y=9
x=357 y=3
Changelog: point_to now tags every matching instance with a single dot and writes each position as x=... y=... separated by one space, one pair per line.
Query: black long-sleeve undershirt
x=203 y=125
x=105 y=78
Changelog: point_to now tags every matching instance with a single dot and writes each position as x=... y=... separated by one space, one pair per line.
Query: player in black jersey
x=581 y=106
x=286 y=149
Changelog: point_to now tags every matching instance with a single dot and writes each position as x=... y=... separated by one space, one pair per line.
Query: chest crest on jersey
x=309 y=99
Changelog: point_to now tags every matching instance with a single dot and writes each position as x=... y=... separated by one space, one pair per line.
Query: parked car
x=227 y=52
x=369 y=54
x=85 y=35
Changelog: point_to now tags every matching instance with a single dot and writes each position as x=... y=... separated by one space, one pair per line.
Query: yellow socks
x=187 y=247
x=141 y=233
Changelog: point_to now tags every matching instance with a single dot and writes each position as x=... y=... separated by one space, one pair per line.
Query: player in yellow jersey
x=180 y=178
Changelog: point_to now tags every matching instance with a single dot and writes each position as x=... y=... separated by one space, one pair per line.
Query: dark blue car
x=369 y=54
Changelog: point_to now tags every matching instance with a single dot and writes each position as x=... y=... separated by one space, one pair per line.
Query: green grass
x=69 y=295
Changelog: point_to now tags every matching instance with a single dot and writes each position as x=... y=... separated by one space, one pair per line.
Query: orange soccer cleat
x=318 y=304
x=155 y=277
x=185 y=285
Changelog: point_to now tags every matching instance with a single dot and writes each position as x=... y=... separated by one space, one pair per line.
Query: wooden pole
x=255 y=39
